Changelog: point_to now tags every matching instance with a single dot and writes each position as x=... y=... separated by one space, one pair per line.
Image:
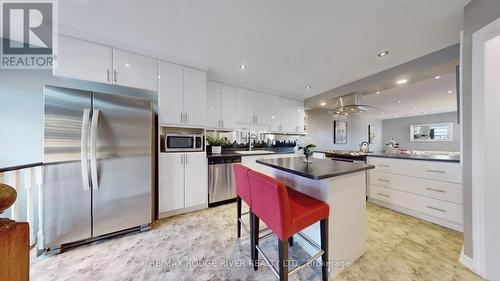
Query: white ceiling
x=286 y=44
x=419 y=98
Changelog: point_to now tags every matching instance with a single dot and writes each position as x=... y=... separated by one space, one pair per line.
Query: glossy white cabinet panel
x=441 y=190
x=171 y=93
x=171 y=182
x=196 y=181
x=228 y=107
x=213 y=104
x=437 y=208
x=195 y=97
x=262 y=108
x=245 y=106
x=133 y=70
x=434 y=170
x=83 y=60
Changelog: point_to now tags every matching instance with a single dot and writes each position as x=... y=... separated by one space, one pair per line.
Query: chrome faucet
x=250 y=138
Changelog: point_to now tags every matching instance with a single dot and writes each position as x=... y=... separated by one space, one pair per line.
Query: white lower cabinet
x=428 y=190
x=182 y=182
x=171 y=183
x=195 y=180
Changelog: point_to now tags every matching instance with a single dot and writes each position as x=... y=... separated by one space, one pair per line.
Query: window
x=432 y=132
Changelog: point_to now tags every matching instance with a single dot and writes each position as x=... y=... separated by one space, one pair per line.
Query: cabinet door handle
x=222 y=121
x=114 y=75
x=186 y=159
x=182 y=117
x=436 y=190
x=384 y=180
x=186 y=119
x=182 y=159
x=383 y=165
x=436 y=209
x=108 y=73
x=385 y=195
x=436 y=171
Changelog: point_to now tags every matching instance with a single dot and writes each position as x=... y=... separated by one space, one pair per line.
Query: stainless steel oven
x=175 y=142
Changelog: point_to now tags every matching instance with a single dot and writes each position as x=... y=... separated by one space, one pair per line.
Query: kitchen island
x=342 y=186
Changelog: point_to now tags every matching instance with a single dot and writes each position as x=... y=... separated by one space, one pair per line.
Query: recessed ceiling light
x=450 y=92
x=398 y=101
x=243 y=67
x=352 y=109
x=382 y=54
x=273 y=117
x=402 y=81
x=337 y=112
x=377 y=92
x=323 y=104
x=308 y=87
x=298 y=110
x=437 y=77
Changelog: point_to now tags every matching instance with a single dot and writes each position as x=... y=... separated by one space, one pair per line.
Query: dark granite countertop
x=435 y=157
x=317 y=170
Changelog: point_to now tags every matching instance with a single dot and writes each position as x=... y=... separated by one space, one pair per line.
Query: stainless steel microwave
x=175 y=142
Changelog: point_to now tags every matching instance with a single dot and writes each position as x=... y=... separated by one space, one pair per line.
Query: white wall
x=320 y=130
x=399 y=129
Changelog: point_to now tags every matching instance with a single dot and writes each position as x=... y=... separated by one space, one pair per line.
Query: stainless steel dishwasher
x=221 y=183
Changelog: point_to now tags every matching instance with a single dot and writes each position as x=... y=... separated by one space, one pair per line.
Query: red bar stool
x=242 y=193
x=286 y=212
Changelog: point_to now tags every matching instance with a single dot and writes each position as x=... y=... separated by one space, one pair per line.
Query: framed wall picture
x=339 y=132
x=371 y=134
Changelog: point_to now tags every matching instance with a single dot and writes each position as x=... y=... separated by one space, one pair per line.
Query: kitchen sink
x=246 y=152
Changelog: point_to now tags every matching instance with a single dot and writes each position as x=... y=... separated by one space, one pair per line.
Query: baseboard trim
x=466 y=261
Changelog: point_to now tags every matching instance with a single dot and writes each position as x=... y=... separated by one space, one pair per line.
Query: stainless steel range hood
x=350 y=104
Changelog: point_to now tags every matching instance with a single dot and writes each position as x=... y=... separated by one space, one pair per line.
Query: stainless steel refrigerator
x=97 y=165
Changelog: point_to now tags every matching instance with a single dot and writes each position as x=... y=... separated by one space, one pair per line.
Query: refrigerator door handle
x=93 y=148
x=84 y=144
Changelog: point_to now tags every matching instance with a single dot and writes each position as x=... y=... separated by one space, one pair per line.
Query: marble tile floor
x=203 y=246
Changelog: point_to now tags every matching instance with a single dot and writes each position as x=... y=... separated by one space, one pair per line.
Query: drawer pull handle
x=384 y=180
x=437 y=209
x=385 y=195
x=436 y=171
x=436 y=190
x=383 y=165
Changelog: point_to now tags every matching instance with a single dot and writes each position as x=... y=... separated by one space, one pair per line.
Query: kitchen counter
x=428 y=157
x=341 y=185
x=317 y=170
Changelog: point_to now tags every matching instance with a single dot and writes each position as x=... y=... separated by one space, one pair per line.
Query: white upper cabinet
x=244 y=106
x=182 y=95
x=288 y=115
x=221 y=106
x=83 y=60
x=133 y=70
x=262 y=108
x=171 y=93
x=228 y=107
x=213 y=104
x=195 y=97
